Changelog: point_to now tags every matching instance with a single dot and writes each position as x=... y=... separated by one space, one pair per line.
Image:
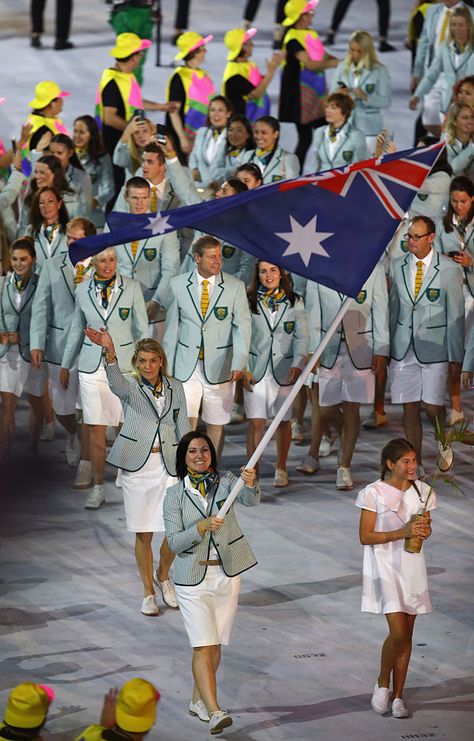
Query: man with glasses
x=426 y=331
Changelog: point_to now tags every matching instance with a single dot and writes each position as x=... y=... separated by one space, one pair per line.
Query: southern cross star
x=304 y=240
x=159 y=224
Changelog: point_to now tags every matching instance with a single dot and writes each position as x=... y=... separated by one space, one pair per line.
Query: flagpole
x=238 y=486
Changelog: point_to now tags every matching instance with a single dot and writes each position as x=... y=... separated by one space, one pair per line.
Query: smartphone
x=140 y=114
x=454 y=253
x=13 y=147
x=161 y=133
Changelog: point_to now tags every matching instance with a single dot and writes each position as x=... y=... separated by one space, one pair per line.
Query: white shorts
x=209 y=608
x=411 y=380
x=266 y=399
x=36 y=380
x=344 y=382
x=99 y=405
x=217 y=398
x=17 y=376
x=143 y=495
x=64 y=402
x=431 y=104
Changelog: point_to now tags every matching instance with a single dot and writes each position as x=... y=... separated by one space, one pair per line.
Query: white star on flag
x=159 y=224
x=304 y=240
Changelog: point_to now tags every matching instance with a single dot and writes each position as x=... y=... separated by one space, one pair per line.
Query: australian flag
x=331 y=227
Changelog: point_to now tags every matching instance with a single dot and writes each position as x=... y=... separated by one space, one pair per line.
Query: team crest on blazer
x=227 y=250
x=123 y=313
x=348 y=155
x=221 y=312
x=370 y=87
x=432 y=294
x=404 y=245
x=288 y=327
x=422 y=196
x=275 y=178
x=361 y=297
x=150 y=253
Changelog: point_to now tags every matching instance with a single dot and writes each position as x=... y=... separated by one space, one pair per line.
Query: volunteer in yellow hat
x=47 y=105
x=26 y=711
x=193 y=88
x=243 y=83
x=130 y=711
x=133 y=17
x=119 y=95
x=303 y=83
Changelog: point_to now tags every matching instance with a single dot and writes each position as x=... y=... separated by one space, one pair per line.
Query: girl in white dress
x=394 y=581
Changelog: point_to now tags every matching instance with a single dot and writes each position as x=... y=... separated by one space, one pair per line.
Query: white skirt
x=209 y=608
x=143 y=495
x=18 y=376
x=63 y=401
x=99 y=405
x=266 y=399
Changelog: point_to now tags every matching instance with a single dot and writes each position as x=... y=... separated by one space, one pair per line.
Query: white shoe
x=380 y=699
x=118 y=478
x=237 y=414
x=199 y=710
x=218 y=721
x=281 y=478
x=83 y=478
x=375 y=421
x=297 y=434
x=399 y=709
x=308 y=465
x=95 y=498
x=343 y=478
x=446 y=458
x=453 y=417
x=150 y=605
x=167 y=590
x=47 y=433
x=73 y=450
x=326 y=446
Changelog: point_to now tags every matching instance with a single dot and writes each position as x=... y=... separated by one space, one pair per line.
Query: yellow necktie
x=134 y=247
x=204 y=308
x=418 y=277
x=79 y=277
x=154 y=199
x=445 y=25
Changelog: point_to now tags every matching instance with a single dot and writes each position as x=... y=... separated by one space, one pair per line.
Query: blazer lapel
x=65 y=271
x=405 y=271
x=41 y=239
x=116 y=297
x=192 y=288
x=9 y=294
x=93 y=299
x=281 y=311
x=430 y=275
x=200 y=509
x=168 y=392
x=214 y=298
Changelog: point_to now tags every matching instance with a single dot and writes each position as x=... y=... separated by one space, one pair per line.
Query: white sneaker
x=47 y=433
x=380 y=699
x=281 y=478
x=219 y=720
x=167 y=590
x=399 y=709
x=343 y=478
x=73 y=450
x=308 y=465
x=95 y=498
x=118 y=478
x=453 y=417
x=150 y=605
x=237 y=414
x=297 y=434
x=446 y=458
x=83 y=478
x=326 y=446
x=199 y=710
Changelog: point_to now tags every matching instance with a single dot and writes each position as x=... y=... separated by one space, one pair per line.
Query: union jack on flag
x=331 y=227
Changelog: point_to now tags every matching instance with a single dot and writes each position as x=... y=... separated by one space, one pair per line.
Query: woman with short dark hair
x=339 y=143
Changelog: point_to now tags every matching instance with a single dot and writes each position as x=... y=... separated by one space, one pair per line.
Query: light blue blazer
x=170 y=199
x=53 y=308
x=182 y=511
x=155 y=263
x=101 y=174
x=282 y=166
x=461 y=158
x=13 y=319
x=142 y=423
x=236 y=262
x=224 y=332
x=350 y=148
x=198 y=159
x=425 y=46
x=81 y=183
x=281 y=345
x=376 y=83
x=468 y=364
x=366 y=324
x=446 y=242
x=433 y=324
x=444 y=62
x=126 y=321
x=57 y=247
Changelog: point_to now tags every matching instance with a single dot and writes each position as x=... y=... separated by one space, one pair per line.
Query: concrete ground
x=303 y=659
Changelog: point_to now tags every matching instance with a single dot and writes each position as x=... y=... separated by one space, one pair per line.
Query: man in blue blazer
x=426 y=329
x=207 y=337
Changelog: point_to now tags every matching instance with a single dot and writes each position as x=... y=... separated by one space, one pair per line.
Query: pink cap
x=48 y=690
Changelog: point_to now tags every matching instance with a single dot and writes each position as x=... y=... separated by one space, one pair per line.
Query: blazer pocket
x=223 y=347
x=133 y=439
x=182 y=343
x=190 y=553
x=235 y=540
x=125 y=344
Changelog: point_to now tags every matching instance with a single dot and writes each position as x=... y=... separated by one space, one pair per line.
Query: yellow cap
x=189 y=41
x=235 y=39
x=127 y=44
x=28 y=705
x=45 y=92
x=135 y=711
x=294 y=8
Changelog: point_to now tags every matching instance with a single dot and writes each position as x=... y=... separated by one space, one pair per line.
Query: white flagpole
x=287 y=403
